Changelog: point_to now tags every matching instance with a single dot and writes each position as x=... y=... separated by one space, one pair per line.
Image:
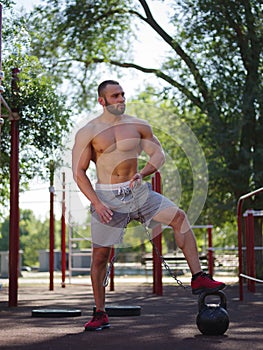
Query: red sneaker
x=98 y=322
x=205 y=283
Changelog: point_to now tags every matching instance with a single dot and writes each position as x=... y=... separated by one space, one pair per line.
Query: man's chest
x=123 y=138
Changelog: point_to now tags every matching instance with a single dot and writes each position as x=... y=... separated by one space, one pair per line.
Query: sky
x=149 y=50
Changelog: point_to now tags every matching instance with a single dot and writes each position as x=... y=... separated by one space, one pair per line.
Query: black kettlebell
x=212 y=319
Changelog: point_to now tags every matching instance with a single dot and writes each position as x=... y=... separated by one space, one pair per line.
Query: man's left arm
x=154 y=150
x=152 y=147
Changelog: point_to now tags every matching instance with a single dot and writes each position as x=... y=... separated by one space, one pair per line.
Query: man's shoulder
x=90 y=125
x=87 y=131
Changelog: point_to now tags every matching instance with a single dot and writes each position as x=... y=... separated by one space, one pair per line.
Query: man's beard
x=116 y=109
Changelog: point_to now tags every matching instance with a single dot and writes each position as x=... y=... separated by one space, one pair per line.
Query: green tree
x=44 y=115
x=34 y=236
x=4 y=235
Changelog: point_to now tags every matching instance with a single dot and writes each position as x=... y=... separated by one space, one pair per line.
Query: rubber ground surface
x=166 y=322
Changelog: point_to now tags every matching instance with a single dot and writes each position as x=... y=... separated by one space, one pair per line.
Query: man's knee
x=180 y=222
x=100 y=256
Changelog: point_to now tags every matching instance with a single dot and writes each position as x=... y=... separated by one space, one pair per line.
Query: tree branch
x=158 y=74
x=178 y=49
x=248 y=43
x=241 y=39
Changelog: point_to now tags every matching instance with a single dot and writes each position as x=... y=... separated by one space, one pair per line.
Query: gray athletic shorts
x=141 y=204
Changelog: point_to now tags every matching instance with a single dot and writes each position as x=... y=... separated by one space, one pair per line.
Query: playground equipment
x=250 y=246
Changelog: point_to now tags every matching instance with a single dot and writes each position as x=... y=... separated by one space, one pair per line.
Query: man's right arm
x=81 y=157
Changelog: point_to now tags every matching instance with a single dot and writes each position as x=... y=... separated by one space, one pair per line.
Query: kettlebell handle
x=203 y=295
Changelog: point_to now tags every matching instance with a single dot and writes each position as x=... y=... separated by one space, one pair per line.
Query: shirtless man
x=113 y=141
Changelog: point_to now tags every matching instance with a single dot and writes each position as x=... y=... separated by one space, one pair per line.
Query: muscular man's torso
x=115 y=150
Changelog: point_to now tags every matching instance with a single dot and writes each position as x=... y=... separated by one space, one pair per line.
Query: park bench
x=177 y=264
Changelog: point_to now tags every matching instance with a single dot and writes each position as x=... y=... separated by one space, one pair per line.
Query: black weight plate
x=122 y=310
x=56 y=313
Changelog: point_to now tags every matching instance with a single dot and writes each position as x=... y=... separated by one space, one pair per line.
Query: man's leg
x=100 y=258
x=183 y=234
x=185 y=240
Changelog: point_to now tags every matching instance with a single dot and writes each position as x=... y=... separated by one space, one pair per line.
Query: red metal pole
x=153 y=250
x=210 y=251
x=112 y=271
x=252 y=269
x=14 y=215
x=239 y=225
x=157 y=240
x=14 y=194
x=14 y=197
x=51 y=228
x=240 y=251
x=250 y=246
x=63 y=234
x=247 y=240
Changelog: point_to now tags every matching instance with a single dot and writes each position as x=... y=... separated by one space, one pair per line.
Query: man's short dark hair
x=104 y=84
